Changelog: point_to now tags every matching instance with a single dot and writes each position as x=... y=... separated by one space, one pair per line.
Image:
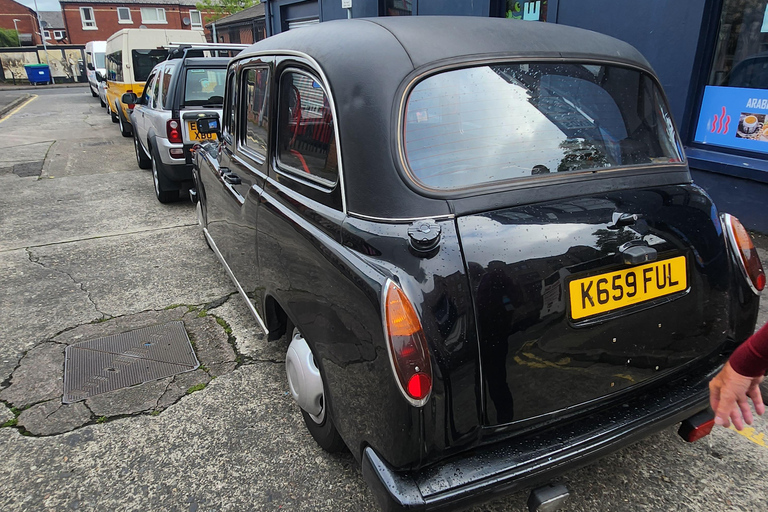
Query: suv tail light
x=173 y=129
x=408 y=349
x=749 y=261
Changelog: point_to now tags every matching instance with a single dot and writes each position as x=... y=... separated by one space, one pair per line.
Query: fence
x=67 y=62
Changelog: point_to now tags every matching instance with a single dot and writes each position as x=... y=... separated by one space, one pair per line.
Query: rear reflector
x=408 y=349
x=746 y=254
x=697 y=426
x=177 y=152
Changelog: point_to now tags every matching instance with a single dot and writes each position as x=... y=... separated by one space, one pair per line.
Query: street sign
x=346 y=4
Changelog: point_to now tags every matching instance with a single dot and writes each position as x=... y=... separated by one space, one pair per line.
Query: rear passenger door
x=245 y=163
x=140 y=111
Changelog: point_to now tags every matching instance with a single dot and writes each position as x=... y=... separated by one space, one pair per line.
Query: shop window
x=124 y=15
x=196 y=19
x=734 y=109
x=396 y=7
x=306 y=138
x=86 y=16
x=152 y=15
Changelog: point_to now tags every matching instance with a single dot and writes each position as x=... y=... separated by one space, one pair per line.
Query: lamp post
x=45 y=46
x=16 y=28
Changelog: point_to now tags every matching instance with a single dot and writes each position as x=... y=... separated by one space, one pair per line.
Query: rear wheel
x=158 y=177
x=307 y=387
x=125 y=127
x=101 y=101
x=93 y=93
x=144 y=161
x=113 y=115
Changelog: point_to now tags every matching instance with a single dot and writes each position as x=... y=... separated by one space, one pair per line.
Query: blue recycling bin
x=38 y=73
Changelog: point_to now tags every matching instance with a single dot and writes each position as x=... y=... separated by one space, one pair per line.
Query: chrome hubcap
x=304 y=380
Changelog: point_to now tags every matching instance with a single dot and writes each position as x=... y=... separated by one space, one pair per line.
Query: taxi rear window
x=471 y=126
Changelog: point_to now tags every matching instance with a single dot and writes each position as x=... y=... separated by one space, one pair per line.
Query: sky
x=43 y=5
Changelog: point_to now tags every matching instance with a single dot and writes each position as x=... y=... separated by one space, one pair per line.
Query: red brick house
x=26 y=21
x=53 y=27
x=96 y=20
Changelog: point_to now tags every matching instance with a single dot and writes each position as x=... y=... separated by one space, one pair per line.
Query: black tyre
x=125 y=127
x=101 y=101
x=93 y=93
x=321 y=425
x=144 y=161
x=113 y=115
x=161 y=182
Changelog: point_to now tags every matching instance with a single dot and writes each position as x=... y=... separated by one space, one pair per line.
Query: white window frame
x=47 y=34
x=91 y=23
x=59 y=34
x=194 y=25
x=159 y=14
x=122 y=21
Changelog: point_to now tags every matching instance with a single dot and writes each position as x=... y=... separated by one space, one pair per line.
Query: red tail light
x=746 y=253
x=408 y=349
x=173 y=129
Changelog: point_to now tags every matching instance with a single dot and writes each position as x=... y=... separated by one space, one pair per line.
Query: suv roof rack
x=182 y=50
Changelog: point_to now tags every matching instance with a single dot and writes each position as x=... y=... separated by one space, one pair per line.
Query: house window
x=153 y=15
x=86 y=15
x=124 y=15
x=59 y=34
x=47 y=34
x=196 y=19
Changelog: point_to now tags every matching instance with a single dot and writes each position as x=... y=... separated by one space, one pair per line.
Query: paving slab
x=53 y=417
x=250 y=340
x=38 y=378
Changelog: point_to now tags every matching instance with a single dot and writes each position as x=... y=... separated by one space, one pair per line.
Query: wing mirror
x=209 y=123
x=99 y=77
x=129 y=98
x=90 y=67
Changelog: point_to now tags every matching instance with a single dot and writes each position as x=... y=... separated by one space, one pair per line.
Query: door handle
x=232 y=178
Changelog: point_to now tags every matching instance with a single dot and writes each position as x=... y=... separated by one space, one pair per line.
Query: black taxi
x=481 y=241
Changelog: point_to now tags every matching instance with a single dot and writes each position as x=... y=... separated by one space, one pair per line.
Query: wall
x=107 y=23
x=665 y=31
x=27 y=23
x=66 y=62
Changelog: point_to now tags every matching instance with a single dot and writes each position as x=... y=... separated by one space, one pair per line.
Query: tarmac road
x=82 y=240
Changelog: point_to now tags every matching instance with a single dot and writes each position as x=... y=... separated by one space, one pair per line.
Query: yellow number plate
x=614 y=290
x=195 y=135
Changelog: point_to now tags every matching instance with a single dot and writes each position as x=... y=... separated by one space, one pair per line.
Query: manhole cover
x=105 y=364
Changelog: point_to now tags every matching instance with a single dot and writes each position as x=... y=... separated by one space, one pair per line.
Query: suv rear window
x=204 y=87
x=494 y=123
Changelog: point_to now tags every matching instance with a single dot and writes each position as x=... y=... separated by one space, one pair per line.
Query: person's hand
x=728 y=394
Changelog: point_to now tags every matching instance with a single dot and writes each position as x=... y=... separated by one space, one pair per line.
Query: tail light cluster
x=745 y=251
x=173 y=130
x=408 y=349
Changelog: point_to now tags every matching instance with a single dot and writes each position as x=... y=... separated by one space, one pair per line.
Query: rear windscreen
x=144 y=61
x=486 y=124
x=204 y=87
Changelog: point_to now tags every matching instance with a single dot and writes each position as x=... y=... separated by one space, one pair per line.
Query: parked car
x=131 y=55
x=177 y=91
x=481 y=243
x=95 y=63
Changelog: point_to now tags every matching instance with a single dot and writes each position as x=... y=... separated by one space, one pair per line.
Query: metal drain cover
x=105 y=364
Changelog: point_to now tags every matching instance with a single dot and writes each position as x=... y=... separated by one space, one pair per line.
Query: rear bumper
x=490 y=471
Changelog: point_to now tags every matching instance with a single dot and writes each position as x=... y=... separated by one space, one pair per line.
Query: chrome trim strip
x=395 y=220
x=251 y=308
x=326 y=86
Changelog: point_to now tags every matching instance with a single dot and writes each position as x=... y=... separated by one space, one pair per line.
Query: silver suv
x=177 y=91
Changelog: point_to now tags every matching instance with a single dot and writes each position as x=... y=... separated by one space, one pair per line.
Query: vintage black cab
x=482 y=242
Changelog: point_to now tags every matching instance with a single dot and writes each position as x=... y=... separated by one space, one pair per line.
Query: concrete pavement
x=85 y=249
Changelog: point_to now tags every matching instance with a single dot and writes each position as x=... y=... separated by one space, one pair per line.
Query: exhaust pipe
x=548 y=498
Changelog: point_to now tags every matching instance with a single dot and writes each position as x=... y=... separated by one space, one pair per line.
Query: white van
x=131 y=55
x=95 y=55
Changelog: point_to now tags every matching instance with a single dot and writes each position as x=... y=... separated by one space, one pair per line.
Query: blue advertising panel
x=734 y=117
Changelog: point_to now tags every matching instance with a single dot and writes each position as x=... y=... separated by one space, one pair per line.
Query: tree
x=8 y=38
x=216 y=9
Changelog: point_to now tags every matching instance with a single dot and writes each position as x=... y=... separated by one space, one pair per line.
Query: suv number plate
x=606 y=292
x=195 y=135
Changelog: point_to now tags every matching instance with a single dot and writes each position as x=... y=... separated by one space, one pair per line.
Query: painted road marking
x=752 y=434
x=18 y=108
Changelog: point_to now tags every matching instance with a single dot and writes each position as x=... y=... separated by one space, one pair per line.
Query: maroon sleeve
x=751 y=358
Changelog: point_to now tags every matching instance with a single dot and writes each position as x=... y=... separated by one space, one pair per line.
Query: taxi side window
x=256 y=100
x=306 y=142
